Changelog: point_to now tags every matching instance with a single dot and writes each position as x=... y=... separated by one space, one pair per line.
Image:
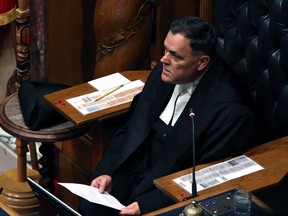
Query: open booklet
x=113 y=90
x=92 y=194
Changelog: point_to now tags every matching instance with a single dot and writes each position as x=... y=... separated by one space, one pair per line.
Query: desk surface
x=78 y=118
x=273 y=156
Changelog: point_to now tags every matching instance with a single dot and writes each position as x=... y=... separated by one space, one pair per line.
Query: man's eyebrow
x=174 y=53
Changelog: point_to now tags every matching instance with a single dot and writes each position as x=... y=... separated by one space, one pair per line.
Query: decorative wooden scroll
x=122 y=33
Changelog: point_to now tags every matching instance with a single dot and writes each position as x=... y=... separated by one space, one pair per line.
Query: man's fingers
x=102 y=185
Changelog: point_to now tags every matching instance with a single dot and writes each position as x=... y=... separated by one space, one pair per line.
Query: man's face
x=179 y=63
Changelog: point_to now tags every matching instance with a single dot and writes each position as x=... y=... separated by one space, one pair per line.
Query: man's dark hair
x=202 y=36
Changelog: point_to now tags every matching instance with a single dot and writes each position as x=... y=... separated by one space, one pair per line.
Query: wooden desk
x=78 y=118
x=255 y=199
x=273 y=156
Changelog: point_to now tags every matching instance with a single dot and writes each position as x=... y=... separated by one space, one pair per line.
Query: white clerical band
x=176 y=105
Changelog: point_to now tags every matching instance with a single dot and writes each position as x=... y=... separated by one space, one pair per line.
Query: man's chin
x=165 y=78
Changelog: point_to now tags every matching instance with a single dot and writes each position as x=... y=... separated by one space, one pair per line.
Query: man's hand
x=132 y=209
x=103 y=183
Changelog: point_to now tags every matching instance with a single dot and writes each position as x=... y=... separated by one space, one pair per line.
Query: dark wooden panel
x=65 y=36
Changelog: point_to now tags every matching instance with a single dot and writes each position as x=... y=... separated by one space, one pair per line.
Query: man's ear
x=203 y=62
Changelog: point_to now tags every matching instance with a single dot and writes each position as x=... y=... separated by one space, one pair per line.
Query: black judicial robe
x=224 y=126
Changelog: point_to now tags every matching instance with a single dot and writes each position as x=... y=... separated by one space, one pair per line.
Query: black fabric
x=253 y=39
x=37 y=113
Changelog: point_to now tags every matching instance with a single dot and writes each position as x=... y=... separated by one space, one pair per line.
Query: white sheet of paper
x=109 y=81
x=86 y=103
x=219 y=173
x=92 y=194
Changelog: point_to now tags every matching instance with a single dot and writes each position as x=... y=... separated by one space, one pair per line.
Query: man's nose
x=165 y=58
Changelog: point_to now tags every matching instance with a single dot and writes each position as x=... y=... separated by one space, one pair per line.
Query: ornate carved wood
x=122 y=34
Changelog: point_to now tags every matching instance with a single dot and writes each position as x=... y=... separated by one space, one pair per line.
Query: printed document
x=92 y=194
x=219 y=173
x=107 y=98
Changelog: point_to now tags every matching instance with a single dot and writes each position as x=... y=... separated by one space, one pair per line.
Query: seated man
x=157 y=139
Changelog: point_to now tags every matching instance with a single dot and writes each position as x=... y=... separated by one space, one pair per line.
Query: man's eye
x=177 y=57
x=174 y=55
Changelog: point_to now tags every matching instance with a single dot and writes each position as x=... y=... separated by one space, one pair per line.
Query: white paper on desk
x=109 y=81
x=219 y=173
x=86 y=104
x=92 y=194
